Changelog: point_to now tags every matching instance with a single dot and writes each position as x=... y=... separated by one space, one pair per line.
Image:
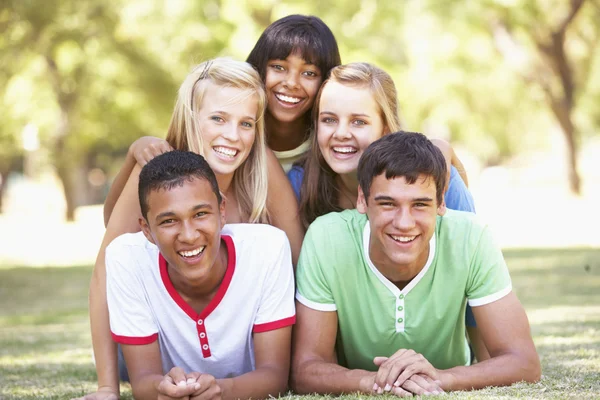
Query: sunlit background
x=514 y=85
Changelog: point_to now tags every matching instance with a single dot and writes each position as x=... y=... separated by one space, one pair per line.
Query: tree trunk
x=64 y=165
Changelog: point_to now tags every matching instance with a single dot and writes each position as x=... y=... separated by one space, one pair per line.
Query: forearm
x=146 y=387
x=259 y=384
x=105 y=349
x=501 y=370
x=323 y=377
x=117 y=186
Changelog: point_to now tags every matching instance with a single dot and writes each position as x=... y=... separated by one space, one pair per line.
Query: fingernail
x=190 y=381
x=379 y=391
x=196 y=386
x=397 y=384
x=388 y=387
x=182 y=383
x=375 y=387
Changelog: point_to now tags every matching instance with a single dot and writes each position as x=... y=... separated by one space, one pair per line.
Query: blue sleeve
x=295 y=176
x=458 y=196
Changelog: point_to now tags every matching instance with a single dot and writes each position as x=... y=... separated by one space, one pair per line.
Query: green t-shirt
x=375 y=317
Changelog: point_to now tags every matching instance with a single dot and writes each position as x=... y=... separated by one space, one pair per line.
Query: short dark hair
x=402 y=154
x=306 y=34
x=172 y=169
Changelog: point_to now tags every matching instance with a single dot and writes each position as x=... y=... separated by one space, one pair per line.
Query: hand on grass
x=395 y=371
x=102 y=394
x=194 y=386
x=147 y=147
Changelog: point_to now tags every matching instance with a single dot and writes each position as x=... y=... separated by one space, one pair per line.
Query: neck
x=199 y=294
x=224 y=182
x=348 y=185
x=284 y=136
x=399 y=275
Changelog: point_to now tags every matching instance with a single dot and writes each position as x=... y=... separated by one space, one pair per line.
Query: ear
x=146 y=229
x=361 y=202
x=441 y=210
x=386 y=130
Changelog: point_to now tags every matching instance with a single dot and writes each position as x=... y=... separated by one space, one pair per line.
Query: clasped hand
x=193 y=386
x=406 y=373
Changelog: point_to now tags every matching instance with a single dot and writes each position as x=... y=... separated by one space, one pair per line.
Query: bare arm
x=451 y=159
x=283 y=206
x=270 y=378
x=505 y=331
x=314 y=364
x=141 y=151
x=123 y=220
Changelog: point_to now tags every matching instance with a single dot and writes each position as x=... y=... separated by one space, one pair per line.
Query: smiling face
x=227 y=122
x=402 y=217
x=185 y=223
x=349 y=121
x=291 y=85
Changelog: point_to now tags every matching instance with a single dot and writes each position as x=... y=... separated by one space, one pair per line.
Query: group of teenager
x=286 y=199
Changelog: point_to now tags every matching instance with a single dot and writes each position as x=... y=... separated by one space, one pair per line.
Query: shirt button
x=400 y=308
x=401 y=296
x=205 y=347
x=400 y=320
x=202 y=335
x=200 y=322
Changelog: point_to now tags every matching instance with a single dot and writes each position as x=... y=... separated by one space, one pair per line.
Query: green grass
x=45 y=347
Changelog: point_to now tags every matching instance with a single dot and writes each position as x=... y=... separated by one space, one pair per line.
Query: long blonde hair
x=250 y=180
x=319 y=191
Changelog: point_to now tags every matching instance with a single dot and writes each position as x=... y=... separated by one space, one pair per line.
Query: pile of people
x=287 y=198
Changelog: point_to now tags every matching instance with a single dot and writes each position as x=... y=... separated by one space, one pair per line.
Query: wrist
x=109 y=389
x=366 y=383
x=447 y=379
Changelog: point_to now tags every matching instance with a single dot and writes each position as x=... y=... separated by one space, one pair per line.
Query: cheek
x=323 y=136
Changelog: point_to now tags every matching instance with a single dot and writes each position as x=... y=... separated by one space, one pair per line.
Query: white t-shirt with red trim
x=256 y=295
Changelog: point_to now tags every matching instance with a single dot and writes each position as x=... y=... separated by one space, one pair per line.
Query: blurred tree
x=565 y=39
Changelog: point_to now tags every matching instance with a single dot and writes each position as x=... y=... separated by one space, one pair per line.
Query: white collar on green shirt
x=393 y=288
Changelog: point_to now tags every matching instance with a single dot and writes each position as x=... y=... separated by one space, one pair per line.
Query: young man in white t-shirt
x=201 y=310
x=382 y=289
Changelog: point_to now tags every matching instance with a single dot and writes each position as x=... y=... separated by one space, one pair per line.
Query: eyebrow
x=172 y=214
x=353 y=114
x=389 y=198
x=225 y=113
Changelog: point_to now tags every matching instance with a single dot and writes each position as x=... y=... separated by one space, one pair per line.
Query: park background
x=514 y=85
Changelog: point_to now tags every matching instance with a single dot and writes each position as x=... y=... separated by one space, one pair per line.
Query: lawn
x=45 y=345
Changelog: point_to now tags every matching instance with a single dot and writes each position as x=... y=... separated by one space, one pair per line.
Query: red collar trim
x=164 y=274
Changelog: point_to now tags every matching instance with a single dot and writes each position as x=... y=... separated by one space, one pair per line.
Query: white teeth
x=288 y=99
x=345 y=150
x=225 y=151
x=403 y=239
x=192 y=253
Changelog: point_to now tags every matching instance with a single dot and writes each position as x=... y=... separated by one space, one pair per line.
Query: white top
x=256 y=295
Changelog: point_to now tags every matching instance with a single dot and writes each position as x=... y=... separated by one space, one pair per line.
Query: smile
x=226 y=151
x=403 y=239
x=287 y=99
x=345 y=149
x=191 y=253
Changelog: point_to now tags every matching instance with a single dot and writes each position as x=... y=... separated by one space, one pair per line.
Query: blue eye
x=360 y=122
x=328 y=120
x=216 y=118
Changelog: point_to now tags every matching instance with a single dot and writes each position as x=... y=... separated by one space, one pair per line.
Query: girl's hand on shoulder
x=147 y=147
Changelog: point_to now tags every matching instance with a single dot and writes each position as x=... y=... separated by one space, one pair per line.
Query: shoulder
x=255 y=237
x=458 y=196
x=460 y=226
x=129 y=242
x=337 y=226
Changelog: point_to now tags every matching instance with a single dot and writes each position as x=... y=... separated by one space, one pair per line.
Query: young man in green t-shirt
x=382 y=290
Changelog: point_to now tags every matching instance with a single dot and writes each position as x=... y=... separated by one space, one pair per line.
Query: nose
x=291 y=80
x=404 y=220
x=231 y=132
x=188 y=233
x=342 y=131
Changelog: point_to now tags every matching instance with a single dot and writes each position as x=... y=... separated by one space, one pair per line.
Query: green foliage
x=110 y=70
